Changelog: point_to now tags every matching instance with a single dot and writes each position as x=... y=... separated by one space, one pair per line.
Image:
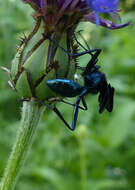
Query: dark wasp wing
x=64 y=87
x=106 y=98
x=109 y=105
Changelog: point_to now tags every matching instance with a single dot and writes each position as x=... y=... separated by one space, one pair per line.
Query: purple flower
x=105 y=23
x=103 y=6
x=54 y=10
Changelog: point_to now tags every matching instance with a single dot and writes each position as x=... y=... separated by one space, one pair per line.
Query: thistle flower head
x=72 y=11
x=58 y=13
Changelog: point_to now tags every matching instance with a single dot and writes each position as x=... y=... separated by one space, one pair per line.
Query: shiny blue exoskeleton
x=94 y=82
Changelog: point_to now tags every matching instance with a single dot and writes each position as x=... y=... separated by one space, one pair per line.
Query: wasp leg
x=85 y=52
x=80 y=107
x=73 y=54
x=56 y=111
x=75 y=112
x=84 y=103
x=76 y=107
x=88 y=48
x=62 y=118
x=92 y=62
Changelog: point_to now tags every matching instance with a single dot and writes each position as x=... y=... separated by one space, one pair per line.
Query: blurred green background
x=100 y=154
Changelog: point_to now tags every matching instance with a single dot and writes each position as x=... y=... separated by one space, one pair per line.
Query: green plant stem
x=83 y=164
x=31 y=113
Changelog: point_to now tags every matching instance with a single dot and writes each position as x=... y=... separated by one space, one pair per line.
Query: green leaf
x=118 y=127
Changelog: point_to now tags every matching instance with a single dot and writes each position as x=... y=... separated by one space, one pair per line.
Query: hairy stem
x=31 y=113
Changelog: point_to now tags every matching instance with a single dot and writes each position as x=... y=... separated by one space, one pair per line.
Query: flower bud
x=38 y=59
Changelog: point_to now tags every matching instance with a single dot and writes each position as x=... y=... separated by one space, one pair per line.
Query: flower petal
x=106 y=23
x=103 y=6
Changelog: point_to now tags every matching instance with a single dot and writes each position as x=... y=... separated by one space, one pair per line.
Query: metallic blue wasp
x=94 y=82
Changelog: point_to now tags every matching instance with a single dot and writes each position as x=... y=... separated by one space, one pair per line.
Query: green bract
x=38 y=59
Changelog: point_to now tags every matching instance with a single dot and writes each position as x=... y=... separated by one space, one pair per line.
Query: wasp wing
x=106 y=99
